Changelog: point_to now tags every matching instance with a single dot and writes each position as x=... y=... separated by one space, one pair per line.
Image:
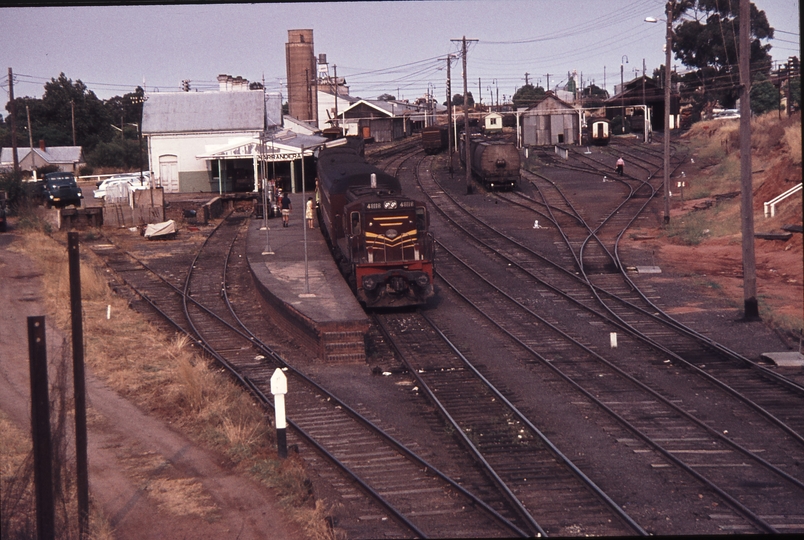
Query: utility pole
x=14 y=157
x=747 y=196
x=548 y=82
x=449 y=113
x=466 y=137
x=335 y=69
x=666 y=161
x=30 y=138
x=479 y=92
x=72 y=108
x=526 y=78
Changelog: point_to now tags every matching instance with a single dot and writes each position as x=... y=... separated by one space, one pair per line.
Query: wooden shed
x=552 y=121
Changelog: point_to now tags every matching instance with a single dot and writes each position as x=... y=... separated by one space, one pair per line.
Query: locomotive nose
x=398 y=284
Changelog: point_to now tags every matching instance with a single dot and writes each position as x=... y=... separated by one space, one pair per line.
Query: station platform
x=312 y=302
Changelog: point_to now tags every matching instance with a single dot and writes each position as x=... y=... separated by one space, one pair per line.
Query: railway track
x=401 y=494
x=654 y=409
x=539 y=480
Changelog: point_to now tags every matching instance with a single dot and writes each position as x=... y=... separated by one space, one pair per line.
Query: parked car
x=61 y=190
x=134 y=176
x=120 y=185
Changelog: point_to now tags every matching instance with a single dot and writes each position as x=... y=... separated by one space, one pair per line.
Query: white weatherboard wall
x=194 y=174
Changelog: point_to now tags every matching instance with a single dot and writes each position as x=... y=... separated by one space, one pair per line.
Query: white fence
x=770 y=206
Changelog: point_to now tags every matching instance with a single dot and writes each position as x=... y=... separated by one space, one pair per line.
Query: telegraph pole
x=72 y=108
x=466 y=118
x=747 y=197
x=14 y=157
x=337 y=125
x=449 y=112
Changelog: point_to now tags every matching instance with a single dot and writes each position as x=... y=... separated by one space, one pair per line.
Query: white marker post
x=279 y=387
x=613 y=339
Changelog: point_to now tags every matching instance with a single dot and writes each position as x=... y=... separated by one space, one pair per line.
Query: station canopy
x=276 y=146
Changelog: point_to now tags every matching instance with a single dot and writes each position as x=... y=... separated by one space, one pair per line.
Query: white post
x=306 y=293
x=279 y=387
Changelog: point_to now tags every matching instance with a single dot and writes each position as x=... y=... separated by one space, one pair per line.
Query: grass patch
x=166 y=376
x=690 y=229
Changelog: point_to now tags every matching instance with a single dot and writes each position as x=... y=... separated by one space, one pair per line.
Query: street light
x=326 y=144
x=668 y=48
x=623 y=61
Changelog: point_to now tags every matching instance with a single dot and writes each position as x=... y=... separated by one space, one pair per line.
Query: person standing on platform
x=308 y=213
x=286 y=208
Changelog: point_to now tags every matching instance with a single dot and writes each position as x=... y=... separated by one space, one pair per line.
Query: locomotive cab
x=389 y=248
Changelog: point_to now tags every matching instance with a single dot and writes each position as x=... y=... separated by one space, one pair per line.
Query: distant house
x=382 y=121
x=493 y=123
x=66 y=158
x=552 y=121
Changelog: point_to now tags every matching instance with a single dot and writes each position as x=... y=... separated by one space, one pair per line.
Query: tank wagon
x=495 y=162
x=379 y=237
x=434 y=139
x=599 y=131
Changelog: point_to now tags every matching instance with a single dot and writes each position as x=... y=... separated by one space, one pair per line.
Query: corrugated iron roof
x=187 y=112
x=52 y=154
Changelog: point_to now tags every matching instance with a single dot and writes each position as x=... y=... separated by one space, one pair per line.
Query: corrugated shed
x=188 y=112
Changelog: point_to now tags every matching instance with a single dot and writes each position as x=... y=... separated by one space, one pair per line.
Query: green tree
x=387 y=97
x=764 y=97
x=709 y=45
x=527 y=96
x=92 y=121
x=457 y=99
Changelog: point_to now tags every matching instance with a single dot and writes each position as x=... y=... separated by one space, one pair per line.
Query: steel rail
x=264 y=348
x=519 y=415
x=729 y=498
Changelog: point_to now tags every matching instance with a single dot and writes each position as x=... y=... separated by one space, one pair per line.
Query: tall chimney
x=42 y=144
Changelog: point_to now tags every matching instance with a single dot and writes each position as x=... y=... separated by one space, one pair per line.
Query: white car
x=119 y=186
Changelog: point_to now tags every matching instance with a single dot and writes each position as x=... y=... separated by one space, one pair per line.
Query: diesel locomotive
x=379 y=237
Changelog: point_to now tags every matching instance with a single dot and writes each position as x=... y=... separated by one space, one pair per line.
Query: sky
x=387 y=47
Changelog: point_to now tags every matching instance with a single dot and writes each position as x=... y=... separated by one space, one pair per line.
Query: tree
x=95 y=122
x=92 y=121
x=764 y=97
x=387 y=97
x=527 y=96
x=709 y=44
x=457 y=99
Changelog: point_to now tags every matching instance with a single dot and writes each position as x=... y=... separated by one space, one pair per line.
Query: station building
x=223 y=141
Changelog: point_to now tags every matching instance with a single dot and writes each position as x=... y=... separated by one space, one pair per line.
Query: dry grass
x=164 y=375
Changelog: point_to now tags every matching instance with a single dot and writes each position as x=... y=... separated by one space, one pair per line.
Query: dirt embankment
x=704 y=238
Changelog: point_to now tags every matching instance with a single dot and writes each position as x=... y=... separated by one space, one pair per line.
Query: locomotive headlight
x=389 y=205
x=391 y=233
x=423 y=280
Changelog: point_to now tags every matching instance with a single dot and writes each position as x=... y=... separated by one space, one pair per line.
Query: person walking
x=308 y=213
x=286 y=208
x=620 y=165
